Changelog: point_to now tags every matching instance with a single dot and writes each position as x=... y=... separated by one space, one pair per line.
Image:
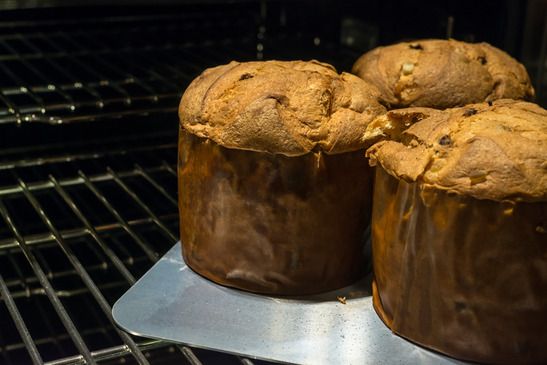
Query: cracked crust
x=288 y=108
x=495 y=151
x=443 y=74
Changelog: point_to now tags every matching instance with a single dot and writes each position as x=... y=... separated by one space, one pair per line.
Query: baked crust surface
x=496 y=152
x=443 y=74
x=281 y=107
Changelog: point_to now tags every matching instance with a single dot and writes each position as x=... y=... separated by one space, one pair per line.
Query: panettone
x=274 y=190
x=443 y=73
x=459 y=231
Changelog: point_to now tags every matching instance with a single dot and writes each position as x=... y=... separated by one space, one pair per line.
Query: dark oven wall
x=72 y=65
x=517 y=26
x=88 y=139
x=81 y=73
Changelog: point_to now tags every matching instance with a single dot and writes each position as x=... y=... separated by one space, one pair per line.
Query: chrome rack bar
x=150 y=72
x=145 y=207
x=111 y=255
x=189 y=355
x=91 y=20
x=168 y=66
x=50 y=292
x=53 y=62
x=95 y=144
x=54 y=338
x=26 y=89
x=43 y=263
x=186 y=351
x=22 y=59
x=113 y=66
x=11 y=108
x=41 y=185
x=168 y=168
x=109 y=353
x=41 y=238
x=69 y=293
x=50 y=85
x=103 y=327
x=80 y=156
x=116 y=114
x=20 y=324
x=82 y=273
x=245 y=361
x=4 y=351
x=130 y=259
x=100 y=77
x=152 y=255
x=22 y=278
x=79 y=63
x=153 y=182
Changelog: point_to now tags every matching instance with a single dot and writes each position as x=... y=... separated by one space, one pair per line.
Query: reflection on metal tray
x=172 y=303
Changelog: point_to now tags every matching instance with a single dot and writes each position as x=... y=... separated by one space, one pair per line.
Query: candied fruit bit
x=469 y=112
x=246 y=76
x=445 y=140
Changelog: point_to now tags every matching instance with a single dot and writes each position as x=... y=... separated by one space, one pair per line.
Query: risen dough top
x=496 y=152
x=288 y=108
x=443 y=74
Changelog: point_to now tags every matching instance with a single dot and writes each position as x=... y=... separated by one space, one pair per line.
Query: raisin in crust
x=459 y=229
x=496 y=152
x=274 y=190
x=288 y=108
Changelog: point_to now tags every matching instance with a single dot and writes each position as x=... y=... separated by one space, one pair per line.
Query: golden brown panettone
x=443 y=73
x=274 y=191
x=496 y=151
x=459 y=231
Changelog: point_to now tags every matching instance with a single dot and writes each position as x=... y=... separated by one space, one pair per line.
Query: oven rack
x=76 y=230
x=56 y=72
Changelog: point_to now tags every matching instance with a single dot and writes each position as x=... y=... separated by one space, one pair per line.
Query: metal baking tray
x=172 y=303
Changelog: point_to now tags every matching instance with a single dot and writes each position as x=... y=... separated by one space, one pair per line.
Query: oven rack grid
x=31 y=281
x=112 y=68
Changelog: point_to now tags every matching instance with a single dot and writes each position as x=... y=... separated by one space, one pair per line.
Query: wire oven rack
x=75 y=232
x=73 y=70
x=81 y=220
x=67 y=71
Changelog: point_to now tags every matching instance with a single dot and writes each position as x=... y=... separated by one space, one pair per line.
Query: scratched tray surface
x=172 y=303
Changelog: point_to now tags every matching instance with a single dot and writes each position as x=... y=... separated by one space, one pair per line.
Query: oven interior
x=88 y=138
